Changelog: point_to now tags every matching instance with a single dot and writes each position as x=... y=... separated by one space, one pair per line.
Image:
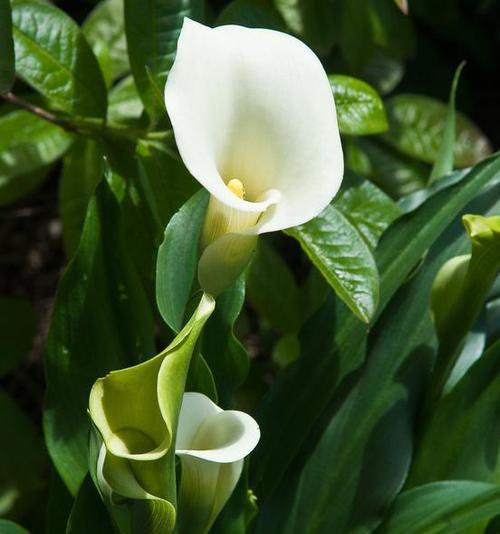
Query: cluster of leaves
x=357 y=434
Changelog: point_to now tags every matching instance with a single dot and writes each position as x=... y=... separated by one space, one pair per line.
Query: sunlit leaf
x=54 y=57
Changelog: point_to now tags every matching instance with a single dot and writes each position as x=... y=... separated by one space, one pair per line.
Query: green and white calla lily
x=212 y=444
x=135 y=414
x=255 y=123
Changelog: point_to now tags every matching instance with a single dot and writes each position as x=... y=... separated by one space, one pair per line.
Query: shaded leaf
x=18 y=326
x=252 y=14
x=23 y=461
x=444 y=507
x=272 y=290
x=124 y=102
x=82 y=171
x=88 y=513
x=460 y=438
x=7 y=61
x=53 y=56
x=8 y=527
x=396 y=174
x=312 y=20
x=101 y=321
x=416 y=128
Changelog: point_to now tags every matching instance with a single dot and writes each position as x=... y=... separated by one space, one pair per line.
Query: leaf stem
x=39 y=112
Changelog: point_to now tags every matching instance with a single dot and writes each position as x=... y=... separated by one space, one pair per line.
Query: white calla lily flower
x=255 y=123
x=212 y=444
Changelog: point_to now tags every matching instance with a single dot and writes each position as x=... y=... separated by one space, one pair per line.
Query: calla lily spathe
x=255 y=123
x=212 y=444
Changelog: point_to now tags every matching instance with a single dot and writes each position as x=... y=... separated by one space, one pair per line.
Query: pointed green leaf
x=363 y=456
x=445 y=155
x=7 y=62
x=177 y=260
x=341 y=255
x=101 y=321
x=359 y=107
x=53 y=56
x=304 y=389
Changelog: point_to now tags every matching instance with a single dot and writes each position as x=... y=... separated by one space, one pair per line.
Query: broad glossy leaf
x=272 y=290
x=178 y=259
x=7 y=61
x=367 y=207
x=359 y=107
x=88 y=513
x=54 y=57
x=416 y=129
x=101 y=321
x=445 y=507
x=337 y=249
x=396 y=174
x=23 y=461
x=252 y=14
x=82 y=171
x=312 y=20
x=18 y=326
x=27 y=145
x=104 y=29
x=304 y=389
x=152 y=29
x=8 y=527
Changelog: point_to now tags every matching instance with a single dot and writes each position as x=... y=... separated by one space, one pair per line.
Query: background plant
x=333 y=348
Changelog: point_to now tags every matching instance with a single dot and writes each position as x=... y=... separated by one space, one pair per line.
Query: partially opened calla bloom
x=212 y=444
x=135 y=415
x=255 y=123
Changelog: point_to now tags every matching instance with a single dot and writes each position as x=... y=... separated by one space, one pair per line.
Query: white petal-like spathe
x=212 y=444
x=207 y=432
x=256 y=105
